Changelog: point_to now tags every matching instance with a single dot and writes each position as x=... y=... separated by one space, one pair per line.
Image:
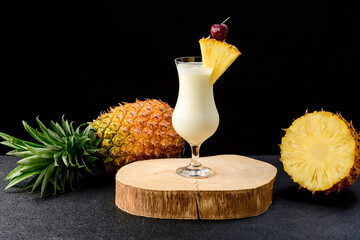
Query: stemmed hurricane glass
x=195 y=117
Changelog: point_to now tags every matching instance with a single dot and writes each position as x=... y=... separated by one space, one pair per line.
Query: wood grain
x=241 y=187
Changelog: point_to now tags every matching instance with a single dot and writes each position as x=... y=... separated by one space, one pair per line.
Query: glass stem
x=195 y=157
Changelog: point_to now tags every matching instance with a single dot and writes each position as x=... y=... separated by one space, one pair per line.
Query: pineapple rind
x=137 y=131
x=312 y=160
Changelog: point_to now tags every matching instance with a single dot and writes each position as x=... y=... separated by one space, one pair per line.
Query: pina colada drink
x=195 y=117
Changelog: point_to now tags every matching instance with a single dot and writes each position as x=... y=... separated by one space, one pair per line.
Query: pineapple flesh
x=320 y=151
x=218 y=55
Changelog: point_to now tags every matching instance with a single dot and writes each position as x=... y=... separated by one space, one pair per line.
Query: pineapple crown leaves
x=60 y=155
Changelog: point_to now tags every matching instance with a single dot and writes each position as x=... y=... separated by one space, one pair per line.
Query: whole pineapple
x=321 y=152
x=127 y=133
x=137 y=131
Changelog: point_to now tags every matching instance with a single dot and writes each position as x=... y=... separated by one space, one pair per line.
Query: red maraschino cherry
x=220 y=31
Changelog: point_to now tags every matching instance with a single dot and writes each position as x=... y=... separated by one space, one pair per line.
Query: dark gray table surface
x=89 y=212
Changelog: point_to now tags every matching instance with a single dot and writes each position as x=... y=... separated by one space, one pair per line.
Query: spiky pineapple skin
x=354 y=171
x=137 y=131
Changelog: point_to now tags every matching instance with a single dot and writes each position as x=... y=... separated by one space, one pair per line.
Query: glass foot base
x=195 y=172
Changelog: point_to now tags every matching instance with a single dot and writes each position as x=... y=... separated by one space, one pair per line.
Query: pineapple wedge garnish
x=218 y=55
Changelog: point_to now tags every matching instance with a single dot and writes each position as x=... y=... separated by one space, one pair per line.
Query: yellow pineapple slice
x=320 y=151
x=218 y=55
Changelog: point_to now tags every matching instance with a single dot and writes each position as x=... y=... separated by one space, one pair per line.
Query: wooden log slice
x=241 y=187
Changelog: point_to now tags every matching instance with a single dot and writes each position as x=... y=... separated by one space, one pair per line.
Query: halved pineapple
x=218 y=55
x=320 y=151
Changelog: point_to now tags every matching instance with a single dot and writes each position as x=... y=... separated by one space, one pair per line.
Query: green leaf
x=70 y=143
x=87 y=130
x=30 y=183
x=18 y=143
x=32 y=168
x=50 y=135
x=34 y=160
x=39 y=179
x=91 y=158
x=36 y=135
x=72 y=127
x=65 y=158
x=57 y=128
x=81 y=142
x=70 y=149
x=20 y=153
x=21 y=178
x=77 y=162
x=46 y=180
x=9 y=144
x=57 y=174
x=85 y=153
x=77 y=131
x=12 y=142
x=92 y=150
x=97 y=142
x=70 y=157
x=43 y=152
x=58 y=158
x=84 y=164
x=65 y=126
x=34 y=145
x=92 y=168
x=14 y=173
x=57 y=187
x=94 y=140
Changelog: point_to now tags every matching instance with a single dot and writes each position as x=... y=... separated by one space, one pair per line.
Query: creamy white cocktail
x=195 y=117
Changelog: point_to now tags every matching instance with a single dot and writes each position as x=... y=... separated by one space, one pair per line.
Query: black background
x=79 y=58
